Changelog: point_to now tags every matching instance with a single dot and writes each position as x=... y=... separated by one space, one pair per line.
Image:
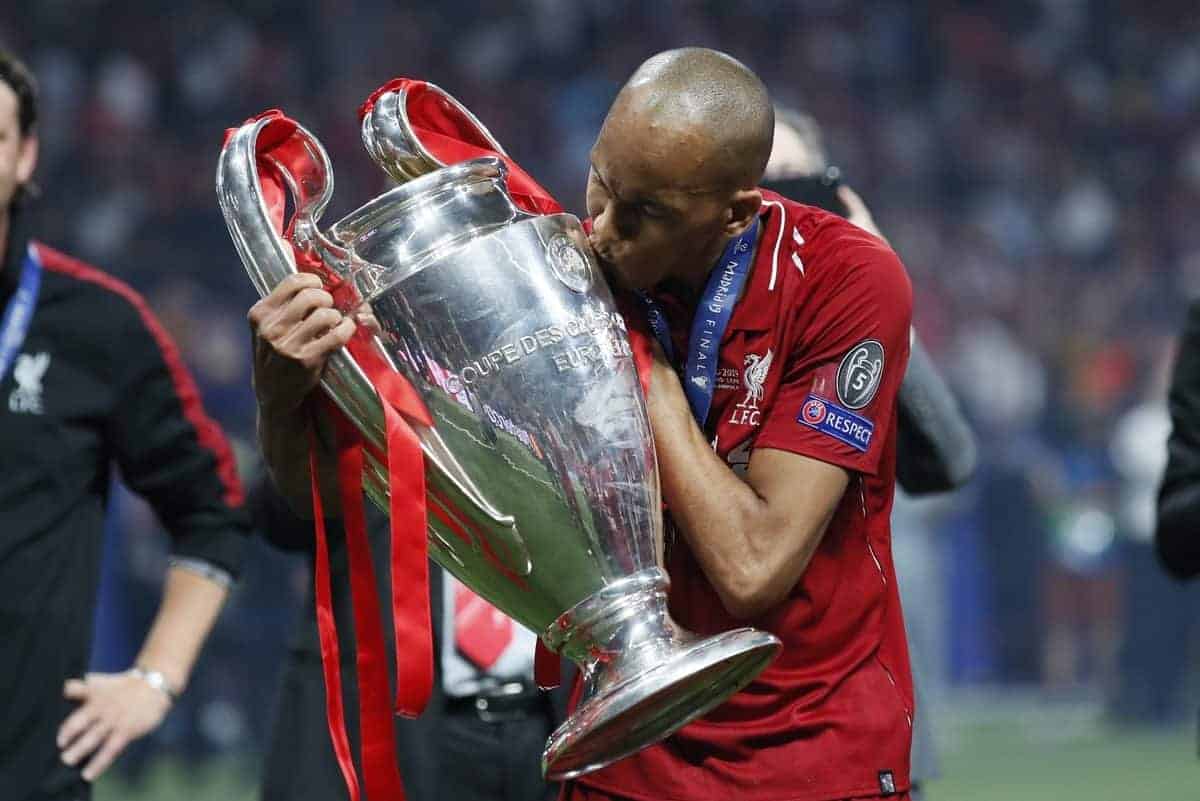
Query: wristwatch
x=157 y=680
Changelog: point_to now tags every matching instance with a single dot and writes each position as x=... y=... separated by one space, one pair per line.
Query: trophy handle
x=388 y=134
x=304 y=167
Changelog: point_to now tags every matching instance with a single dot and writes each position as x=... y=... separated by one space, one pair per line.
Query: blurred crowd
x=1035 y=164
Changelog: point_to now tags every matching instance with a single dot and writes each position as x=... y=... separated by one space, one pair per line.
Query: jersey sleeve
x=848 y=352
x=170 y=451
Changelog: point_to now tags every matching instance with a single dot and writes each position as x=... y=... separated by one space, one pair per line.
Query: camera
x=818 y=189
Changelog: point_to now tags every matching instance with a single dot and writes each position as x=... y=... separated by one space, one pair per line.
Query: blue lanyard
x=708 y=328
x=19 y=312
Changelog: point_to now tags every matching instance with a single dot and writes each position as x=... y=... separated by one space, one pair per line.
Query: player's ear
x=743 y=208
x=27 y=154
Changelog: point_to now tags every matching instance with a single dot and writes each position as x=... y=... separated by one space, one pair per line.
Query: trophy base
x=655 y=701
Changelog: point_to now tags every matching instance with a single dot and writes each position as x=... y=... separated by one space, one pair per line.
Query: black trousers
x=493 y=761
x=442 y=755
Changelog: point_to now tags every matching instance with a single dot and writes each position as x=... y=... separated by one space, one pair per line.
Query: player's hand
x=666 y=403
x=295 y=329
x=858 y=213
x=114 y=710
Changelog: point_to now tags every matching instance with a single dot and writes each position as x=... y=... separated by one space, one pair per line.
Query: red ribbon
x=451 y=136
x=547 y=666
x=335 y=715
x=409 y=556
x=380 y=772
x=409 y=562
x=407 y=512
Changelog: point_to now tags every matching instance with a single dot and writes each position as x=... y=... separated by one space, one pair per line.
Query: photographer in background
x=936 y=450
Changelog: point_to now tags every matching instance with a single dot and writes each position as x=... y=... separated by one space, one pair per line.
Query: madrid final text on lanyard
x=721 y=293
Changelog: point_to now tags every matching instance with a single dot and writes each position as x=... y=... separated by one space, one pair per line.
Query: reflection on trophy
x=540 y=469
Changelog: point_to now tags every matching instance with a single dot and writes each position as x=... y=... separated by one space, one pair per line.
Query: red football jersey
x=811 y=362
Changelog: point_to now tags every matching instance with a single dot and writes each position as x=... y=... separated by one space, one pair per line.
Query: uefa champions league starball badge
x=568 y=264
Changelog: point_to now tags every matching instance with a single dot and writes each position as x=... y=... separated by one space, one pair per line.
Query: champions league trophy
x=541 y=478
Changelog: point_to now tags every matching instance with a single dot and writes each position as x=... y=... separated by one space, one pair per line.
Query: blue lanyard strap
x=18 y=314
x=658 y=324
x=725 y=284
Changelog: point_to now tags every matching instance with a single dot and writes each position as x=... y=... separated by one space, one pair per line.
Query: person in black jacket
x=1177 y=536
x=89 y=379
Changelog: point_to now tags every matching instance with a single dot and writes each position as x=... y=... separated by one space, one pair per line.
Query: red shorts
x=573 y=791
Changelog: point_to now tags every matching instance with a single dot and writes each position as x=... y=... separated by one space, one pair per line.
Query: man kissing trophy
x=489 y=306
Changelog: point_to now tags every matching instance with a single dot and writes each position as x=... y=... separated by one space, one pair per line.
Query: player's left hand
x=114 y=710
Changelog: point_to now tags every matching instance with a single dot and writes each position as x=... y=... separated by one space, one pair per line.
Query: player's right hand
x=295 y=330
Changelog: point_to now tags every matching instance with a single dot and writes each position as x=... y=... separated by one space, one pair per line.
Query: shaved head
x=708 y=101
x=676 y=166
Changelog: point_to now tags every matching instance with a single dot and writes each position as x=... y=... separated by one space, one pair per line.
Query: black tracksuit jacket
x=97 y=384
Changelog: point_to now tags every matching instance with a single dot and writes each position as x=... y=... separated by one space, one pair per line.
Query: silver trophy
x=540 y=468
